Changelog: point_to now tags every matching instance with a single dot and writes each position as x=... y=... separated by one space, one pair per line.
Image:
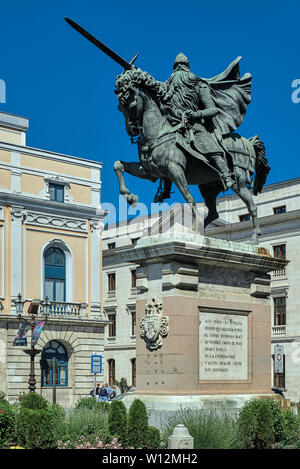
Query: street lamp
x=32 y=311
x=19 y=305
x=46 y=307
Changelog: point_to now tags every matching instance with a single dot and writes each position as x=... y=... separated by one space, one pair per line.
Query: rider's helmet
x=181 y=59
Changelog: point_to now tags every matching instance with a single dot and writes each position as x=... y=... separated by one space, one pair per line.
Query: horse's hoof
x=132 y=199
x=118 y=166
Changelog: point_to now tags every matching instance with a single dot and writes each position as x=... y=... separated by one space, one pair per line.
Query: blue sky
x=64 y=84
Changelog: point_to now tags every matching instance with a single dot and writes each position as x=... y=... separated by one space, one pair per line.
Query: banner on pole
x=21 y=337
x=38 y=329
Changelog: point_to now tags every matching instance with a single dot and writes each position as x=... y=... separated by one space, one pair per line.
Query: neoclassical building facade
x=50 y=246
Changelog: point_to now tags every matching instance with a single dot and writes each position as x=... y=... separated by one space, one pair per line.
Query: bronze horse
x=164 y=153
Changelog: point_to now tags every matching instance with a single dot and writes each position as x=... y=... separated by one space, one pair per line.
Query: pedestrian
x=113 y=394
x=97 y=392
x=103 y=393
x=109 y=391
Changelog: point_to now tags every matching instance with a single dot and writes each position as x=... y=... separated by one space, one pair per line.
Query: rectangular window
x=133 y=279
x=56 y=192
x=111 y=282
x=279 y=251
x=133 y=323
x=134 y=241
x=244 y=217
x=112 y=329
x=280 y=311
x=278 y=210
x=111 y=245
x=55 y=289
x=133 y=372
x=111 y=372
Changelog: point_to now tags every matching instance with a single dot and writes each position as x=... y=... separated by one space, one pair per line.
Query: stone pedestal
x=203 y=312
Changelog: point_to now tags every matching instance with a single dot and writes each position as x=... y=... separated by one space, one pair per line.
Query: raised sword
x=113 y=55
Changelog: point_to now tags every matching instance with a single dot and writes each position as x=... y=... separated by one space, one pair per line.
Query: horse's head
x=130 y=102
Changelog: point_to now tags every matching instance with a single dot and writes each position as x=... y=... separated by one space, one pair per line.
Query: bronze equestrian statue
x=184 y=129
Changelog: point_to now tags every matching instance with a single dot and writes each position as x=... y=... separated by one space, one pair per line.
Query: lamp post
x=32 y=322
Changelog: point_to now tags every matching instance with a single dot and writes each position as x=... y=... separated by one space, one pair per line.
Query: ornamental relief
x=154 y=326
x=56 y=222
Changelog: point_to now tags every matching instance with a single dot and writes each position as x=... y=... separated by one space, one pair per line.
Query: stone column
x=95 y=300
x=18 y=215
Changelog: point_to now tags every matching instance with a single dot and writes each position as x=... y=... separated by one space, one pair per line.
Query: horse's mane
x=135 y=77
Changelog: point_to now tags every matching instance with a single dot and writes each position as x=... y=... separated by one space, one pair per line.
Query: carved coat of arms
x=154 y=326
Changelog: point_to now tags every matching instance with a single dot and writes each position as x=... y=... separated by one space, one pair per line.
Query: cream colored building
x=50 y=245
x=279 y=218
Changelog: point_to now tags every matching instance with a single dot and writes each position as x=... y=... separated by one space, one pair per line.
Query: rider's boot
x=221 y=165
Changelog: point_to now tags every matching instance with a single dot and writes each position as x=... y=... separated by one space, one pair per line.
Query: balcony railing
x=67 y=309
x=278 y=331
x=279 y=273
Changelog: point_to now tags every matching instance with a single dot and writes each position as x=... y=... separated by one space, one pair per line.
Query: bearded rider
x=188 y=94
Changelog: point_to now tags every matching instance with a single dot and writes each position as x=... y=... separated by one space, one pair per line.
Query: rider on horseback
x=188 y=100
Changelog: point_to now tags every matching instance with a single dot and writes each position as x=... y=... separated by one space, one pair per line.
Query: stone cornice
x=50 y=207
x=61 y=321
x=14 y=122
x=277 y=222
x=205 y=253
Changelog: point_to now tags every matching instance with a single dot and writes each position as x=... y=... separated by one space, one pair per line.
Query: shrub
x=58 y=415
x=137 y=425
x=35 y=429
x=122 y=385
x=209 y=430
x=117 y=420
x=34 y=401
x=290 y=426
x=153 y=438
x=57 y=412
x=263 y=423
x=7 y=423
x=91 y=403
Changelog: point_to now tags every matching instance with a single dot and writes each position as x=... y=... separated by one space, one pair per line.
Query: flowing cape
x=231 y=94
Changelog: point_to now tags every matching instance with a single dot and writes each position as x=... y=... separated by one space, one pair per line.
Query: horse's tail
x=261 y=164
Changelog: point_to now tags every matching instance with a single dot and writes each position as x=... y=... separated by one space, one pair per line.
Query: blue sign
x=96 y=364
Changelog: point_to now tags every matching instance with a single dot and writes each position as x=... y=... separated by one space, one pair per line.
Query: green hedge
x=34 y=401
x=7 y=423
x=117 y=421
x=153 y=438
x=137 y=425
x=262 y=423
x=35 y=429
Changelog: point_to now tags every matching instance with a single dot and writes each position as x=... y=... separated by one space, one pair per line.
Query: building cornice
x=82 y=322
x=13 y=122
x=277 y=222
x=212 y=251
x=50 y=207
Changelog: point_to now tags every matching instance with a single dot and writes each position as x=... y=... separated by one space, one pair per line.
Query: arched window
x=55 y=350
x=55 y=274
x=111 y=372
